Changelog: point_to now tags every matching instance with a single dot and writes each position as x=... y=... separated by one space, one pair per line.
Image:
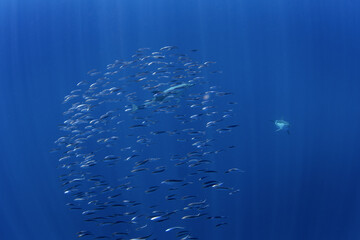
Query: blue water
x=296 y=60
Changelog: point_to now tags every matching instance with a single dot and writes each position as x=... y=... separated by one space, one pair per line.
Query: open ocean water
x=291 y=60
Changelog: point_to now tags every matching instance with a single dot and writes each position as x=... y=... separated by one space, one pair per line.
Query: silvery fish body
x=282 y=125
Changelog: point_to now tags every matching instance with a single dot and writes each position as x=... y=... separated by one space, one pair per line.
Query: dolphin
x=160 y=96
x=282 y=125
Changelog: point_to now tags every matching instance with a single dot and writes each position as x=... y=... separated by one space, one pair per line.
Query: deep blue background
x=297 y=60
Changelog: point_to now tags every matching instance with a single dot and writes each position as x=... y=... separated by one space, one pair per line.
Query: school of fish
x=141 y=152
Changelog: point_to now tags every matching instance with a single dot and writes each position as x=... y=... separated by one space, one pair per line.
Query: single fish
x=282 y=125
